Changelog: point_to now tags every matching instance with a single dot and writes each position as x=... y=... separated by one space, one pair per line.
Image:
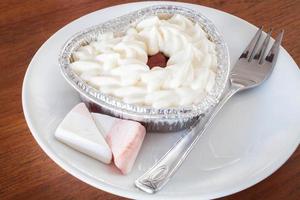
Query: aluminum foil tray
x=158 y=120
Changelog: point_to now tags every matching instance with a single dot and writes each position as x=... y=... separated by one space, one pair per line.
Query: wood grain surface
x=26 y=172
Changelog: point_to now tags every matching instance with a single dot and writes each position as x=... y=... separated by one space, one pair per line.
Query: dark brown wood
x=25 y=171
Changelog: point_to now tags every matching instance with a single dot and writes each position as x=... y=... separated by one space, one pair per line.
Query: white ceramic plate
x=254 y=134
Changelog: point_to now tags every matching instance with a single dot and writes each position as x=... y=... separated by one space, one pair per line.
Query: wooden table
x=26 y=172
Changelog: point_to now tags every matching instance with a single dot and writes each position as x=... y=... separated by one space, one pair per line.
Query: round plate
x=237 y=151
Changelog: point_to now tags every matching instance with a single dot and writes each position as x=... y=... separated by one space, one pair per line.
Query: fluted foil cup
x=157 y=120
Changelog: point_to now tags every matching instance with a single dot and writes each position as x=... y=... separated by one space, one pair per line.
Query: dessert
x=125 y=139
x=116 y=65
x=79 y=131
x=120 y=83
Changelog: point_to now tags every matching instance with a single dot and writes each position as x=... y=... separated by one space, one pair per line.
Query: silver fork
x=251 y=70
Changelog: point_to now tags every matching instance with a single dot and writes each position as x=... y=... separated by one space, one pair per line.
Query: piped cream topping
x=117 y=65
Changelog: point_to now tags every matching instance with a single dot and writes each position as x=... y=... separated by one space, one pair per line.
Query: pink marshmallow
x=125 y=139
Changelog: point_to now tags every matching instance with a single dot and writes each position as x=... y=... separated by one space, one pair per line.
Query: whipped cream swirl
x=116 y=65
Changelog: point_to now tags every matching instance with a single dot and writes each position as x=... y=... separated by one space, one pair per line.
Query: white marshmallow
x=78 y=130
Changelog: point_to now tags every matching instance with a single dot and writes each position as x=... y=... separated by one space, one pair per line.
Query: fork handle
x=157 y=176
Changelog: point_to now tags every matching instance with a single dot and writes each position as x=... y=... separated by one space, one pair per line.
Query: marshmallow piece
x=125 y=139
x=78 y=130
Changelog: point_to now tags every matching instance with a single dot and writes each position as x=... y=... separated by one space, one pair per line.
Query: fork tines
x=249 y=52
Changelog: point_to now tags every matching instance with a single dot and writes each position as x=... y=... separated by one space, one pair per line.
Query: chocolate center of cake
x=158 y=59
